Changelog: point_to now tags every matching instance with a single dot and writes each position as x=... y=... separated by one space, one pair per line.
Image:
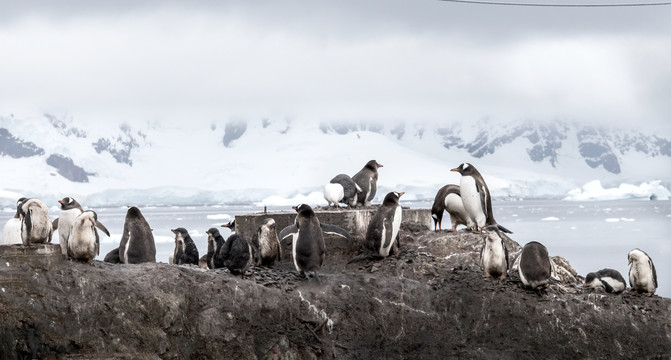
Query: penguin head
x=269 y=223
x=18 y=207
x=492 y=233
x=465 y=169
x=133 y=212
x=636 y=255
x=303 y=209
x=230 y=225
x=180 y=234
x=373 y=165
x=212 y=233
x=589 y=279
x=392 y=197
x=68 y=203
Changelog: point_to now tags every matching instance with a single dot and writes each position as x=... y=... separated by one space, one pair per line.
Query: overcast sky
x=335 y=59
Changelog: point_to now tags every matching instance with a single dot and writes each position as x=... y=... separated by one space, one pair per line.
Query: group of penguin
x=468 y=204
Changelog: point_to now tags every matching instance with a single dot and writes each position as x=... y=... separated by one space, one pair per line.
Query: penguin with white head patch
x=236 y=253
x=83 y=240
x=70 y=209
x=11 y=232
x=36 y=227
x=642 y=273
x=185 y=249
x=476 y=198
x=308 y=247
x=366 y=179
x=342 y=189
x=609 y=280
x=382 y=233
x=536 y=269
x=449 y=198
x=137 y=241
x=494 y=254
x=266 y=244
x=214 y=244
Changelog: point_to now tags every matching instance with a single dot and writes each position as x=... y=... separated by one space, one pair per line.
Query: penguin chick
x=536 y=269
x=214 y=244
x=366 y=179
x=606 y=279
x=11 y=232
x=266 y=244
x=449 y=198
x=494 y=254
x=70 y=209
x=36 y=228
x=83 y=240
x=382 y=233
x=185 y=249
x=236 y=252
x=642 y=274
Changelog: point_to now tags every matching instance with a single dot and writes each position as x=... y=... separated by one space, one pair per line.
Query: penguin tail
x=502 y=228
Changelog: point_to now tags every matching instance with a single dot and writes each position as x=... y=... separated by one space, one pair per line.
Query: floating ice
x=218 y=217
x=550 y=218
x=593 y=190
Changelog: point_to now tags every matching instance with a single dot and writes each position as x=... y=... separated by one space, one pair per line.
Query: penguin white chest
x=11 y=233
x=293 y=249
x=640 y=276
x=472 y=201
x=493 y=257
x=333 y=193
x=387 y=243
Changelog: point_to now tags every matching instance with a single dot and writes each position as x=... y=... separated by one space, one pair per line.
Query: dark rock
x=233 y=131
x=67 y=168
x=17 y=148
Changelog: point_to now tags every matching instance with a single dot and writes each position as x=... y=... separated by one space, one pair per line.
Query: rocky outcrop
x=67 y=168
x=17 y=148
x=429 y=301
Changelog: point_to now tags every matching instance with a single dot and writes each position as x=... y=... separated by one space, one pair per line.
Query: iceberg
x=593 y=190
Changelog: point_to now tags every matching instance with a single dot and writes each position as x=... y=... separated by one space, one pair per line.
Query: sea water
x=590 y=235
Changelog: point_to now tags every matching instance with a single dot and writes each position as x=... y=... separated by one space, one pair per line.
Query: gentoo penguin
x=642 y=274
x=342 y=189
x=449 y=198
x=266 y=244
x=84 y=242
x=70 y=209
x=236 y=252
x=214 y=244
x=36 y=226
x=494 y=254
x=11 y=233
x=382 y=233
x=536 y=269
x=185 y=249
x=366 y=179
x=137 y=241
x=606 y=279
x=308 y=248
x=476 y=198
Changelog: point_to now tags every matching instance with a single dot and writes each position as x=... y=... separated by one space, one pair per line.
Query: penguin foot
x=487 y=275
x=503 y=276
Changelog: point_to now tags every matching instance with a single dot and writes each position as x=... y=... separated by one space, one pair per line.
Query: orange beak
x=455 y=169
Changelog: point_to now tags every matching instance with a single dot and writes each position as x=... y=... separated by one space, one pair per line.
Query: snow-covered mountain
x=272 y=160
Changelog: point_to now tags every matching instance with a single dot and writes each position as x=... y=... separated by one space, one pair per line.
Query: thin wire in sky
x=478 y=2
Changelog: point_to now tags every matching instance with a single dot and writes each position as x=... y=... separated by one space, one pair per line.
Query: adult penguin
x=382 y=234
x=609 y=280
x=308 y=248
x=366 y=179
x=494 y=254
x=137 y=241
x=266 y=244
x=84 y=242
x=214 y=244
x=642 y=274
x=185 y=249
x=11 y=232
x=476 y=198
x=536 y=269
x=236 y=252
x=342 y=189
x=36 y=228
x=70 y=209
x=449 y=198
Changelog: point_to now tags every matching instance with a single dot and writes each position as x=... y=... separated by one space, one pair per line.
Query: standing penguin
x=607 y=279
x=70 y=209
x=535 y=268
x=236 y=252
x=342 y=189
x=36 y=227
x=11 y=233
x=494 y=254
x=449 y=198
x=137 y=241
x=308 y=248
x=382 y=233
x=214 y=244
x=185 y=249
x=366 y=179
x=84 y=242
x=642 y=274
x=476 y=198
x=266 y=244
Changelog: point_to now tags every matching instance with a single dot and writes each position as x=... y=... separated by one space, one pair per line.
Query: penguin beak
x=401 y=194
x=380 y=165
x=174 y=231
x=225 y=225
x=61 y=202
x=455 y=169
x=295 y=208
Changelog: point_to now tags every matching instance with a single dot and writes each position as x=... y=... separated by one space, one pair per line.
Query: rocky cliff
x=430 y=301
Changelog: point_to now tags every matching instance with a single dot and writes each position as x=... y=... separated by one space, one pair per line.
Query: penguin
x=266 y=244
x=449 y=198
x=536 y=269
x=202 y=262
x=342 y=189
x=606 y=279
x=214 y=244
x=36 y=228
x=366 y=179
x=137 y=241
x=84 y=242
x=642 y=274
x=494 y=254
x=308 y=248
x=11 y=233
x=236 y=252
x=70 y=209
x=185 y=249
x=476 y=198
x=382 y=233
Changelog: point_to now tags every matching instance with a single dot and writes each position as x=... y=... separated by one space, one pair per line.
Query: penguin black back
x=185 y=249
x=214 y=244
x=366 y=179
x=236 y=254
x=137 y=241
x=382 y=232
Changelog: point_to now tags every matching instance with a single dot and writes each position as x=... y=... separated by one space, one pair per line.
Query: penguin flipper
x=335 y=230
x=287 y=231
x=54 y=224
x=502 y=228
x=654 y=272
x=607 y=286
x=505 y=252
x=113 y=257
x=102 y=228
x=483 y=198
